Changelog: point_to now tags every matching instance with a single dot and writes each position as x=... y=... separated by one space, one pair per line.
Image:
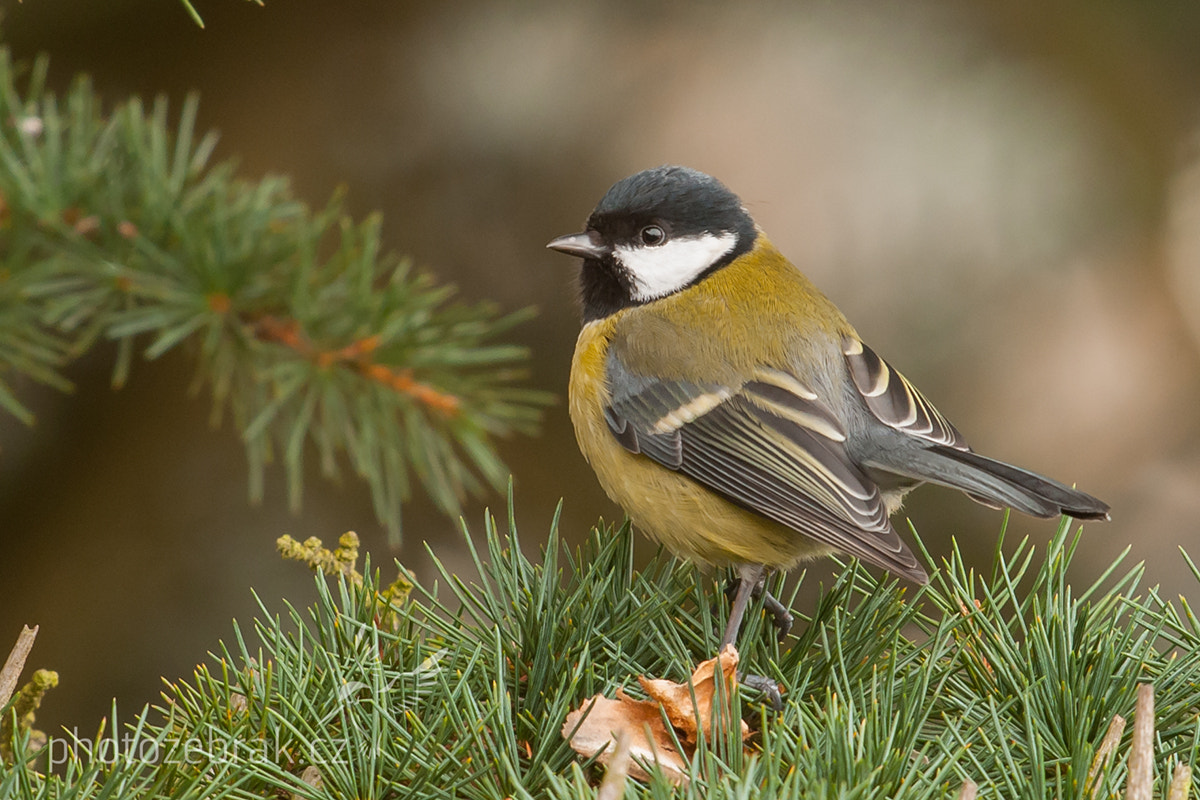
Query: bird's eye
x=653 y=235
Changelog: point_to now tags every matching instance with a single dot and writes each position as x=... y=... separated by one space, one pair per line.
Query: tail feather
x=993 y=482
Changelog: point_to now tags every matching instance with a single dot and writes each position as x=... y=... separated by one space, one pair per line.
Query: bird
x=734 y=413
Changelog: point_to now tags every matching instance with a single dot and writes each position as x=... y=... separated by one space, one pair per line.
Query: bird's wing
x=894 y=401
x=768 y=445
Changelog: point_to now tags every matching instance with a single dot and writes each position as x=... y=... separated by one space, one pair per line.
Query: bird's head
x=653 y=234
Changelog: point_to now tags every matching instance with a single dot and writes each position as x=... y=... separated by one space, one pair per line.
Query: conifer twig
x=616 y=776
x=1181 y=782
x=116 y=226
x=10 y=673
x=1140 y=783
x=463 y=689
x=1108 y=746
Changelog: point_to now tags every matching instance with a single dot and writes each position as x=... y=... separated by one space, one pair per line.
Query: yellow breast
x=688 y=519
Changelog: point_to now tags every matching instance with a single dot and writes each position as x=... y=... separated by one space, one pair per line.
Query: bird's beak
x=585 y=245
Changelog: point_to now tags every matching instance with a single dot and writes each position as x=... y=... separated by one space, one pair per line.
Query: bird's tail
x=995 y=483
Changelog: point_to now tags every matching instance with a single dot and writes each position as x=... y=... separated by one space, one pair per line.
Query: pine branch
x=977 y=683
x=116 y=226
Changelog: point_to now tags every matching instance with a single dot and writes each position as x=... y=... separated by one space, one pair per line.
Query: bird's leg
x=780 y=614
x=749 y=584
x=748 y=577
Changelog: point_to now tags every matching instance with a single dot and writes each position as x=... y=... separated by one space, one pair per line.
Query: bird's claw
x=766 y=686
x=781 y=617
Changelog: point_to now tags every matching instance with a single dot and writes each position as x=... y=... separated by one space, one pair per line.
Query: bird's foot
x=765 y=686
x=780 y=615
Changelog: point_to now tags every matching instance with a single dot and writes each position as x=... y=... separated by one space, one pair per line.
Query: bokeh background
x=1003 y=196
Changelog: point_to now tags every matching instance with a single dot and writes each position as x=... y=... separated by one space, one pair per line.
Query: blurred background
x=1004 y=197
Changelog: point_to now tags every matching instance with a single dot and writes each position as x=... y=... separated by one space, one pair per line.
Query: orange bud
x=219 y=302
x=88 y=225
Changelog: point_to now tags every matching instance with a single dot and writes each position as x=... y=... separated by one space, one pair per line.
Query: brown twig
x=1108 y=746
x=15 y=663
x=357 y=355
x=1140 y=784
x=1181 y=781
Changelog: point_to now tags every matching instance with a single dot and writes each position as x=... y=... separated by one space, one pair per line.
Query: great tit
x=733 y=412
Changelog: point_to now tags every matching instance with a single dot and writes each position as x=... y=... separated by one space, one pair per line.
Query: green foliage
x=1008 y=679
x=195 y=15
x=116 y=226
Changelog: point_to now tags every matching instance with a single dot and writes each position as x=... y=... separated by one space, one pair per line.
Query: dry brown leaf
x=594 y=727
x=676 y=698
x=641 y=723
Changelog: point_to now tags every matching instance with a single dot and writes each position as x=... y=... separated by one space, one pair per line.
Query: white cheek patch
x=659 y=271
